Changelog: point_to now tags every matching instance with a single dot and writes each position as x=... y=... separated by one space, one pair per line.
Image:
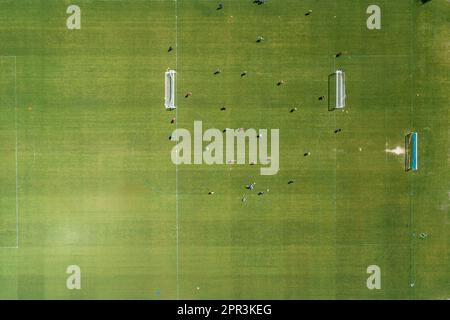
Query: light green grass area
x=94 y=185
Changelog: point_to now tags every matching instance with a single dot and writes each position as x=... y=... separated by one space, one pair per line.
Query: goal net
x=336 y=90
x=411 y=143
x=170 y=78
x=340 y=89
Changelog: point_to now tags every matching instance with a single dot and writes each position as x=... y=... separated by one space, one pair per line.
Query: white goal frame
x=340 y=89
x=170 y=91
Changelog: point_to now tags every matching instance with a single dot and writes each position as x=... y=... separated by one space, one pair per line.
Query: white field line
x=129 y=0
x=378 y=55
x=335 y=183
x=411 y=115
x=412 y=258
x=176 y=166
x=17 y=152
x=16 y=155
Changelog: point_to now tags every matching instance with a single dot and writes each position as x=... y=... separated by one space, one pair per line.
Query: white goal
x=170 y=78
x=340 y=89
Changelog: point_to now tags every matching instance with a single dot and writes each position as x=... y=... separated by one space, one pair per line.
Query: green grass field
x=87 y=177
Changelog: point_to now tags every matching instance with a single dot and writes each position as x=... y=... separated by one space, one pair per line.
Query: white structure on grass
x=170 y=78
x=340 y=89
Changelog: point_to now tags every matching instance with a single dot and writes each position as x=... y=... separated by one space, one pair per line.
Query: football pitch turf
x=85 y=164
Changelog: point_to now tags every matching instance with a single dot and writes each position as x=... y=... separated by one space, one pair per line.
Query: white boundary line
x=176 y=166
x=412 y=271
x=129 y=0
x=17 y=151
x=16 y=154
x=335 y=181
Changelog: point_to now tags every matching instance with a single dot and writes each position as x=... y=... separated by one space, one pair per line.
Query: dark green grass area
x=95 y=186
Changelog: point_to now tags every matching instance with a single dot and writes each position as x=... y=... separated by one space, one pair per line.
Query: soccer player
x=259 y=39
x=220 y=6
x=338 y=54
x=217 y=72
x=423 y=235
x=170 y=49
x=291 y=181
x=173 y=120
x=281 y=82
x=293 y=109
x=337 y=130
x=321 y=97
x=308 y=13
x=306 y=154
x=243 y=74
x=188 y=94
